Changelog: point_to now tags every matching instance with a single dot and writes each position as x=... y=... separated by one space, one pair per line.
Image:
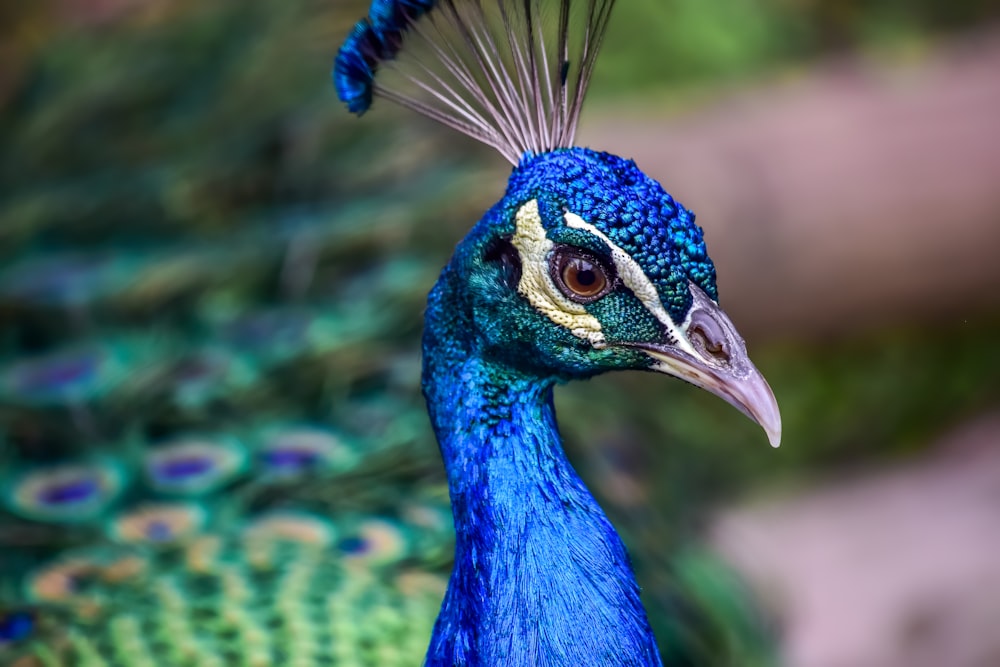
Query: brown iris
x=579 y=276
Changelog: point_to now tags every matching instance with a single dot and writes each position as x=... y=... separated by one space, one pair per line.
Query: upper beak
x=714 y=357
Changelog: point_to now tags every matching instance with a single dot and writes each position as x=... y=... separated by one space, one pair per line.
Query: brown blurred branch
x=890 y=569
x=860 y=195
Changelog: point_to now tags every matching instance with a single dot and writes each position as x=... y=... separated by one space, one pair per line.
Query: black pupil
x=586 y=277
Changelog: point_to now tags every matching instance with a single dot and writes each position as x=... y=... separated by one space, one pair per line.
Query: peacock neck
x=540 y=575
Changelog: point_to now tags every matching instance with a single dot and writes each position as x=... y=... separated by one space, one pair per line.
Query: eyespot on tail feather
x=194 y=465
x=69 y=493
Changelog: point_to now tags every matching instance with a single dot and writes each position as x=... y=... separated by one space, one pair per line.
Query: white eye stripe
x=633 y=277
x=536 y=285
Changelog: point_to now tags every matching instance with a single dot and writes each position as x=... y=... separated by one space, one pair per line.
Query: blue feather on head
x=374 y=39
x=354 y=71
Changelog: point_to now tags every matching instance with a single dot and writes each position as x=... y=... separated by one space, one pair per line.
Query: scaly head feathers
x=600 y=248
x=587 y=265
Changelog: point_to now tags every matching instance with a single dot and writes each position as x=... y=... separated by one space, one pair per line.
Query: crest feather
x=511 y=73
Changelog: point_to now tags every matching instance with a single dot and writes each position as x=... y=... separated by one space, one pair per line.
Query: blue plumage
x=373 y=40
x=586 y=265
x=540 y=577
x=354 y=69
x=395 y=16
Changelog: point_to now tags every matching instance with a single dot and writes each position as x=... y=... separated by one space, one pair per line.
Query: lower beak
x=714 y=357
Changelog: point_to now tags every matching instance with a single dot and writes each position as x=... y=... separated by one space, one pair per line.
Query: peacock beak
x=713 y=356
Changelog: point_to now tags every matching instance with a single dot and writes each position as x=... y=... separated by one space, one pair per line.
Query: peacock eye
x=580 y=276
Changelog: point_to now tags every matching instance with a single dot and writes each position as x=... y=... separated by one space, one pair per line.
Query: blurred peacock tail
x=213 y=449
x=206 y=460
x=176 y=488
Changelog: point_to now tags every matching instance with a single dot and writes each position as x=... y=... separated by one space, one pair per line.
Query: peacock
x=205 y=462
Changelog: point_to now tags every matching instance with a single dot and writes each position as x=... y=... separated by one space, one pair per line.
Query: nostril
x=716 y=349
x=714 y=345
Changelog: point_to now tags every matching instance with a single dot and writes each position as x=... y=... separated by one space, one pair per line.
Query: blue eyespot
x=291 y=460
x=70 y=492
x=290 y=451
x=354 y=546
x=194 y=465
x=66 y=493
x=15 y=626
x=75 y=374
x=159 y=523
x=376 y=541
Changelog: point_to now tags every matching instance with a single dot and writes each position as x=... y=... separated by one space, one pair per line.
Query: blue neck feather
x=540 y=577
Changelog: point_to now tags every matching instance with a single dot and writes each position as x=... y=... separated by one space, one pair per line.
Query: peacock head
x=587 y=265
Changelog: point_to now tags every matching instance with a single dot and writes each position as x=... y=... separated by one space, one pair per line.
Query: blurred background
x=178 y=181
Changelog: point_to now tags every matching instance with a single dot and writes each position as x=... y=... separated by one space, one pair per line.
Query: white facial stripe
x=635 y=279
x=536 y=284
